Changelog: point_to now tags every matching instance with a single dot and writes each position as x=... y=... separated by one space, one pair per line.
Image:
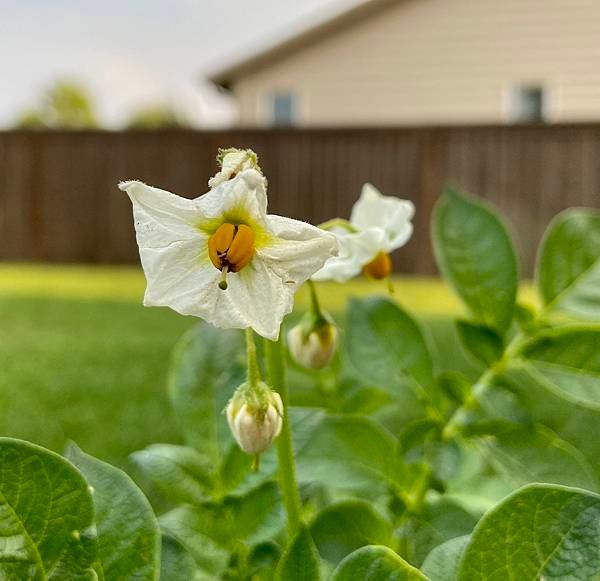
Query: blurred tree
x=156 y=117
x=31 y=119
x=64 y=105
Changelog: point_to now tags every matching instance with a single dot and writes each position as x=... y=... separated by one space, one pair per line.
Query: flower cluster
x=222 y=258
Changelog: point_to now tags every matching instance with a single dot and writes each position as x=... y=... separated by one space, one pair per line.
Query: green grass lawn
x=81 y=359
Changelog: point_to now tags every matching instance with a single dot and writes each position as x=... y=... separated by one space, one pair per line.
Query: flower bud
x=255 y=417
x=313 y=341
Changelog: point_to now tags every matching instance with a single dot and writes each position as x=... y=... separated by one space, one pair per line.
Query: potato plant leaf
x=341 y=528
x=47 y=527
x=300 y=562
x=179 y=472
x=442 y=563
x=566 y=361
x=385 y=343
x=531 y=453
x=482 y=342
x=375 y=563
x=128 y=534
x=475 y=255
x=176 y=564
x=542 y=531
x=568 y=269
x=350 y=452
x=207 y=366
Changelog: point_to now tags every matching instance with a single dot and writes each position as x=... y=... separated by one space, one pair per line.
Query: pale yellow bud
x=255 y=425
x=313 y=346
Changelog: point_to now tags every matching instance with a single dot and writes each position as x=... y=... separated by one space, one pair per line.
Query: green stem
x=314 y=300
x=390 y=286
x=253 y=370
x=285 y=450
x=461 y=416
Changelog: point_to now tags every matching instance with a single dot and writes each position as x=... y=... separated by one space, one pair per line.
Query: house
x=414 y=62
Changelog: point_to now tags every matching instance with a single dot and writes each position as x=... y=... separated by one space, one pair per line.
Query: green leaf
x=300 y=562
x=128 y=535
x=349 y=452
x=365 y=400
x=475 y=487
x=540 y=531
x=375 y=563
x=208 y=364
x=565 y=361
x=346 y=526
x=262 y=561
x=480 y=341
x=439 y=521
x=525 y=316
x=525 y=454
x=253 y=517
x=210 y=557
x=234 y=469
x=46 y=516
x=455 y=386
x=442 y=563
x=568 y=269
x=475 y=255
x=176 y=563
x=385 y=344
x=179 y=472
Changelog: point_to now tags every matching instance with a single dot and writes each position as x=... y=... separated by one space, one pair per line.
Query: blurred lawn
x=81 y=359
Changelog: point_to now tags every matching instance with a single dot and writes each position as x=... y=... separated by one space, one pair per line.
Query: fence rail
x=59 y=201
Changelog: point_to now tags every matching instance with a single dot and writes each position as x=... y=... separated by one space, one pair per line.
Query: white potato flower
x=220 y=256
x=378 y=225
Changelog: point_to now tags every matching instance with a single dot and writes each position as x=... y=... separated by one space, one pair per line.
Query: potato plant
x=405 y=469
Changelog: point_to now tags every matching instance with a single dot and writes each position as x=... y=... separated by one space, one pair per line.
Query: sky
x=135 y=53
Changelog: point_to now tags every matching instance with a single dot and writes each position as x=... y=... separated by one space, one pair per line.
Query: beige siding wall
x=440 y=61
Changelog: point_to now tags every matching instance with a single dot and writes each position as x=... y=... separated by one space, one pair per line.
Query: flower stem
x=461 y=415
x=285 y=450
x=253 y=370
x=315 y=307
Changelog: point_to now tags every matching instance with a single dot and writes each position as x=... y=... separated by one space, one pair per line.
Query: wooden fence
x=59 y=201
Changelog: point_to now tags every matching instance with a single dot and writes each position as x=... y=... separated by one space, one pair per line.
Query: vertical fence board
x=59 y=199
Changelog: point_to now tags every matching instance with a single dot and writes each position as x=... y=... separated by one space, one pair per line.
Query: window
x=526 y=104
x=283 y=109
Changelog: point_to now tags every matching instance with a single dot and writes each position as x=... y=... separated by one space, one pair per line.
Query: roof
x=298 y=39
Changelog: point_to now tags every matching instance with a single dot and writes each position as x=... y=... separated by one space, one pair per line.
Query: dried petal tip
x=232 y=162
